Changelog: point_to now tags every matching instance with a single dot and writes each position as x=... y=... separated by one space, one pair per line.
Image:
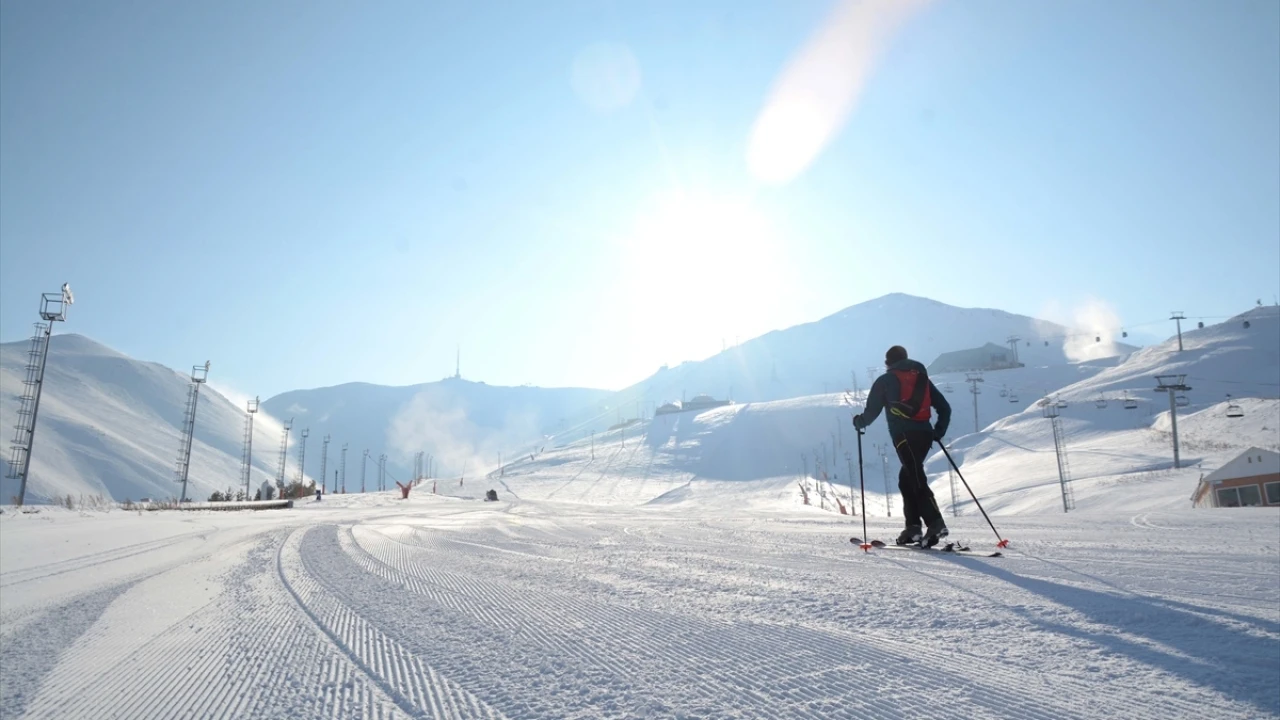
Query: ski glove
x=859 y=423
x=937 y=435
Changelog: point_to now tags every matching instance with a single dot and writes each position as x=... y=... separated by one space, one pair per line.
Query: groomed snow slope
x=110 y=425
x=1123 y=459
x=368 y=607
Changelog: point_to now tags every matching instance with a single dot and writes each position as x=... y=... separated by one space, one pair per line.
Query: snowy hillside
x=1111 y=447
x=461 y=423
x=820 y=356
x=110 y=425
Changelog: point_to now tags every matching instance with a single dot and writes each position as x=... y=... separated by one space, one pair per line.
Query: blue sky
x=314 y=193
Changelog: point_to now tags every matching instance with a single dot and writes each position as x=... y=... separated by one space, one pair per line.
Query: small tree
x=216 y=496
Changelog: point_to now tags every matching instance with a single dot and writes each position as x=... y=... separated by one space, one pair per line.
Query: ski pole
x=866 y=544
x=1003 y=542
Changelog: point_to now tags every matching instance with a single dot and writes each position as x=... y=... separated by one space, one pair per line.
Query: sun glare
x=701 y=271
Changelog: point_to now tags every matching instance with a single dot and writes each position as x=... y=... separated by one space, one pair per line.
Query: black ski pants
x=917 y=499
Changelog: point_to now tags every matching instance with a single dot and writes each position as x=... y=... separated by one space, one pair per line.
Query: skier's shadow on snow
x=1236 y=663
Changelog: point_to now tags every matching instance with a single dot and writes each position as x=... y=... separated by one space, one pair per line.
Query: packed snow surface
x=368 y=606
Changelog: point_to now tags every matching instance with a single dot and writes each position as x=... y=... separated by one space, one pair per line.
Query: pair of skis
x=951 y=547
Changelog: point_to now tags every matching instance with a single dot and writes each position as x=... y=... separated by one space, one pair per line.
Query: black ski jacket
x=887 y=389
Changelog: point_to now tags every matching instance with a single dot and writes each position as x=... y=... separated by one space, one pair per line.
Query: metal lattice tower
x=284 y=455
x=955 y=507
x=302 y=455
x=53 y=308
x=1173 y=384
x=324 y=463
x=343 y=468
x=973 y=379
x=199 y=374
x=246 y=461
x=382 y=472
x=884 y=466
x=1050 y=411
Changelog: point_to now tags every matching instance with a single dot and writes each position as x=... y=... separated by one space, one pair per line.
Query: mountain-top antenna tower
x=1178 y=316
x=973 y=379
x=284 y=456
x=53 y=308
x=302 y=455
x=1173 y=384
x=199 y=374
x=246 y=462
x=324 y=462
x=343 y=468
x=1050 y=411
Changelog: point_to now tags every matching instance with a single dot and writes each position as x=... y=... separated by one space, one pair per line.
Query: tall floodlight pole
x=1178 y=316
x=284 y=456
x=199 y=374
x=246 y=462
x=1050 y=411
x=53 y=308
x=343 y=468
x=364 y=459
x=324 y=461
x=973 y=379
x=1173 y=384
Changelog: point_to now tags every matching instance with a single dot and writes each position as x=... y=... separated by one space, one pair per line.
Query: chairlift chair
x=1130 y=403
x=1101 y=402
x=1061 y=403
x=1004 y=393
x=1013 y=397
x=1182 y=401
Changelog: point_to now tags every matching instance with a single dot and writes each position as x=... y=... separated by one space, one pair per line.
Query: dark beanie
x=895 y=354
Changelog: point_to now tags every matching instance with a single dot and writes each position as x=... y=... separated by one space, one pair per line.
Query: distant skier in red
x=908 y=393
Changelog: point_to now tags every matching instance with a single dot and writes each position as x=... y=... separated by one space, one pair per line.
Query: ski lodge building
x=987 y=357
x=1252 y=479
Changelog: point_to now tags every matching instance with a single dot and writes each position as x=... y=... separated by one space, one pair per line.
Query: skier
x=909 y=395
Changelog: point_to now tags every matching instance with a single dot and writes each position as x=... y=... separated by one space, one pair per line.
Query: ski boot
x=910 y=536
x=933 y=534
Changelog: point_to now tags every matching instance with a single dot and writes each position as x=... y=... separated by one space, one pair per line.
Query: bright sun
x=701 y=270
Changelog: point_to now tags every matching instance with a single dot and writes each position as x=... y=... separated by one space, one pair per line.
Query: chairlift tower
x=53 y=308
x=1173 y=384
x=1178 y=316
x=246 y=460
x=343 y=468
x=884 y=466
x=302 y=455
x=364 y=460
x=973 y=379
x=382 y=472
x=199 y=374
x=1050 y=411
x=1013 y=341
x=324 y=461
x=284 y=456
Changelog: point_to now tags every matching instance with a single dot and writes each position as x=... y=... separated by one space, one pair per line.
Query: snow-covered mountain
x=110 y=425
x=1119 y=458
x=461 y=423
x=823 y=356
